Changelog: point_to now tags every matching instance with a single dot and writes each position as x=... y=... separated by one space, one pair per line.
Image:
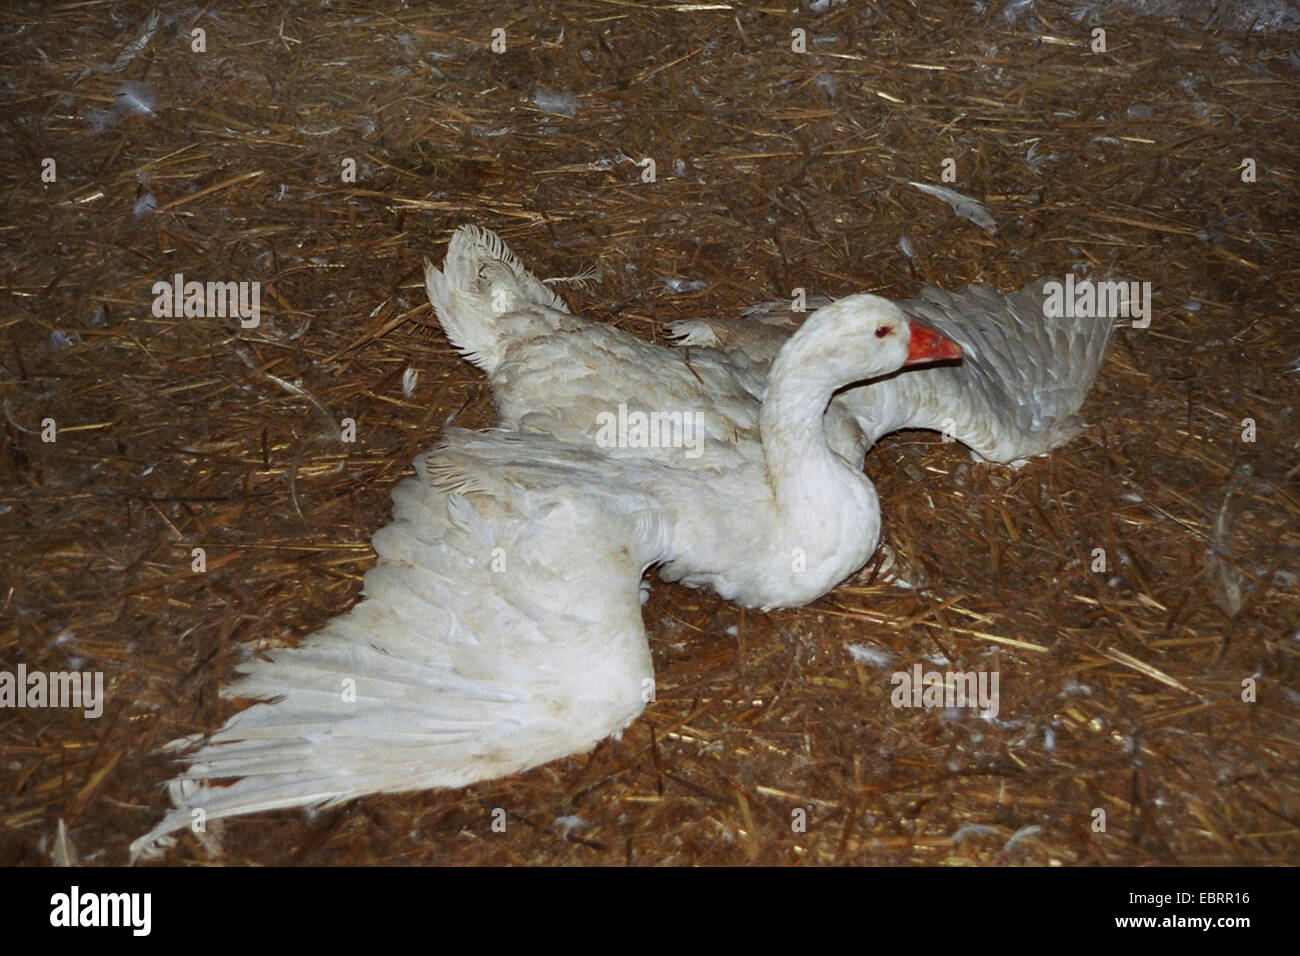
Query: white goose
x=470 y=657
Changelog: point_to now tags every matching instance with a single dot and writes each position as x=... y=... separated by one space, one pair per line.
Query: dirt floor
x=1169 y=157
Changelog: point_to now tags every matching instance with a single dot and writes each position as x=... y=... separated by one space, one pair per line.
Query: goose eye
x=883 y=330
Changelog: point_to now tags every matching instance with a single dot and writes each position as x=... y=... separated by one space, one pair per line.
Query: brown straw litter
x=1121 y=689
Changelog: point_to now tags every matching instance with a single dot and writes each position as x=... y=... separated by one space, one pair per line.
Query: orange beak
x=927 y=345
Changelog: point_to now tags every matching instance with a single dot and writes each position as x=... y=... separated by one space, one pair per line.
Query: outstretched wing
x=1026 y=373
x=501 y=629
x=1016 y=393
x=560 y=373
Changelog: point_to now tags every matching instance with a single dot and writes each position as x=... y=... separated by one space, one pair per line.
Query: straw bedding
x=772 y=739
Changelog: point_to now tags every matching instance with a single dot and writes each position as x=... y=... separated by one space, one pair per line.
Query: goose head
x=864 y=336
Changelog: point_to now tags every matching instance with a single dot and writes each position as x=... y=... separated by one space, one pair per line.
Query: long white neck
x=790 y=424
x=818 y=496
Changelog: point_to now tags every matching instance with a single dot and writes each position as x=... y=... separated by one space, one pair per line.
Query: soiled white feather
x=962 y=205
x=134 y=97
